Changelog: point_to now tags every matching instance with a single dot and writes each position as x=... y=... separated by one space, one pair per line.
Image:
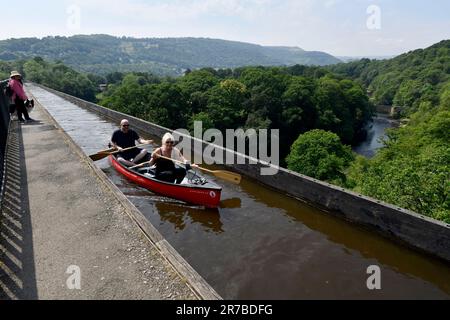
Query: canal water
x=261 y=244
x=376 y=131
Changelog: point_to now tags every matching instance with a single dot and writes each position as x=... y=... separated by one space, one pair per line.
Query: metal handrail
x=5 y=121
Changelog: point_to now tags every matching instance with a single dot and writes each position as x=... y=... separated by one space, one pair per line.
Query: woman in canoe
x=165 y=169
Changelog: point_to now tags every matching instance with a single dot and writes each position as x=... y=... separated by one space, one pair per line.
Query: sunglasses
x=126 y=125
x=169 y=142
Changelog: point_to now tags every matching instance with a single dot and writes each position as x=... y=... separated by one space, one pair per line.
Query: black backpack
x=8 y=91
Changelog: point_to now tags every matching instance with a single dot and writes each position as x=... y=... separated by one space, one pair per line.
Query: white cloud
x=334 y=26
x=179 y=9
x=258 y=21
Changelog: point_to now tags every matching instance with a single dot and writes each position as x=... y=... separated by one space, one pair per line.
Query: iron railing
x=5 y=120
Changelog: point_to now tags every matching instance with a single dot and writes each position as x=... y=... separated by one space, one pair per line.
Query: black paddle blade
x=101 y=154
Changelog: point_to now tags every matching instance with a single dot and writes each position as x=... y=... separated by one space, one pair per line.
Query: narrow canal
x=261 y=244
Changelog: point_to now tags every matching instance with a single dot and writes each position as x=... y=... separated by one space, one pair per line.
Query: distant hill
x=406 y=80
x=164 y=56
x=356 y=58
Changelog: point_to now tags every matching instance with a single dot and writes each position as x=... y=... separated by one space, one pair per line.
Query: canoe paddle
x=226 y=175
x=104 y=153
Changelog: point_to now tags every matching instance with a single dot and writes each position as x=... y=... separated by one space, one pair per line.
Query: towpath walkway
x=58 y=221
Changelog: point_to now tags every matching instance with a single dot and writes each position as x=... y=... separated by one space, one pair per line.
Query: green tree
x=321 y=155
x=60 y=77
x=419 y=183
x=266 y=87
x=408 y=93
x=445 y=96
x=194 y=86
x=226 y=104
x=130 y=97
x=299 y=105
x=167 y=105
x=114 y=77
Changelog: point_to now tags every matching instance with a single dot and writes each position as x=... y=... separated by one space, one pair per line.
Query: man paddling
x=126 y=138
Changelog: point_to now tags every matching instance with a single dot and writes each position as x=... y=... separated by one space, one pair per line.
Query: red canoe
x=192 y=190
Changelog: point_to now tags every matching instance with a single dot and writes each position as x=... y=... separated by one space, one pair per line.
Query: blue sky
x=338 y=27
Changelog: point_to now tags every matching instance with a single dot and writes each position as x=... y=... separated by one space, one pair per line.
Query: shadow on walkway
x=17 y=268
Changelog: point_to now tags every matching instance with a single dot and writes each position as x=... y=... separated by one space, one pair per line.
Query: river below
x=375 y=133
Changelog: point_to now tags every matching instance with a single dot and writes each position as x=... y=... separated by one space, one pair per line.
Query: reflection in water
x=233 y=203
x=176 y=214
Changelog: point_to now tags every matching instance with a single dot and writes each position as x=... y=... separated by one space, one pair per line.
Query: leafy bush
x=321 y=155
